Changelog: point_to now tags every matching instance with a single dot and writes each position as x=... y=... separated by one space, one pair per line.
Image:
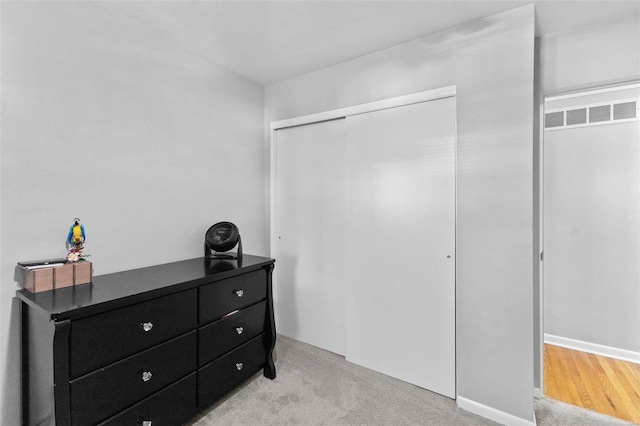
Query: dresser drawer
x=169 y=407
x=102 y=339
x=220 y=337
x=103 y=393
x=221 y=297
x=220 y=376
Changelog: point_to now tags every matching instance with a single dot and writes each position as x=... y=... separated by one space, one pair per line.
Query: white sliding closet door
x=400 y=243
x=309 y=236
x=364 y=239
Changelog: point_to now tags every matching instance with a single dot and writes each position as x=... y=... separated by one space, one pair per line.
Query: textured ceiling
x=269 y=41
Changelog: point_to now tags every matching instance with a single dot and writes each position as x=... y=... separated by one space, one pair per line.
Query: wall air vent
x=599 y=113
x=576 y=116
x=625 y=110
x=554 y=119
x=613 y=112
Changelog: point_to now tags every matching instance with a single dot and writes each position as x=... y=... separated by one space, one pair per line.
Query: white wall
x=592 y=230
x=491 y=63
x=602 y=53
x=105 y=120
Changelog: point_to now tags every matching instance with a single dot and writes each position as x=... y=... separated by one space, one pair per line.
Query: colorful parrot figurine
x=76 y=235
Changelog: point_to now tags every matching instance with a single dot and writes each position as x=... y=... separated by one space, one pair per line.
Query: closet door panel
x=400 y=243
x=309 y=235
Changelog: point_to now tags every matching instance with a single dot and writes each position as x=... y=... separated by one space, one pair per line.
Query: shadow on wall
x=12 y=402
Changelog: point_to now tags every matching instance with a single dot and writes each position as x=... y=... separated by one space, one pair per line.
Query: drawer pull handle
x=239 y=293
x=239 y=366
x=146 y=376
x=147 y=326
x=146 y=423
x=239 y=330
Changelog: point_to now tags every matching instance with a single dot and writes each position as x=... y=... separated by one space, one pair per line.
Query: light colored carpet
x=317 y=387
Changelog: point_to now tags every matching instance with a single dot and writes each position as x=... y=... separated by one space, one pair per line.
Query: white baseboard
x=493 y=414
x=593 y=348
x=537 y=392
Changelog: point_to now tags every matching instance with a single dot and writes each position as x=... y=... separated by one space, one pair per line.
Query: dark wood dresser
x=150 y=346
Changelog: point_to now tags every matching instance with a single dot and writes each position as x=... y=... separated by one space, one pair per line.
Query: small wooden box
x=37 y=280
x=82 y=272
x=50 y=278
x=63 y=276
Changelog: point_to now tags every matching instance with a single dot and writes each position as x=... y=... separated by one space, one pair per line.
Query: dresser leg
x=269 y=366
x=270 y=328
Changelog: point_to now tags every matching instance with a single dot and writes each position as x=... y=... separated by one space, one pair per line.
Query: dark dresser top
x=119 y=289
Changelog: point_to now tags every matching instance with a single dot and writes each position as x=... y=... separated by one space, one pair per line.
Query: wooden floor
x=606 y=385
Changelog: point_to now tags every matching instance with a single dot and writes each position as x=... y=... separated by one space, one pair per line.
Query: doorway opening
x=591 y=246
